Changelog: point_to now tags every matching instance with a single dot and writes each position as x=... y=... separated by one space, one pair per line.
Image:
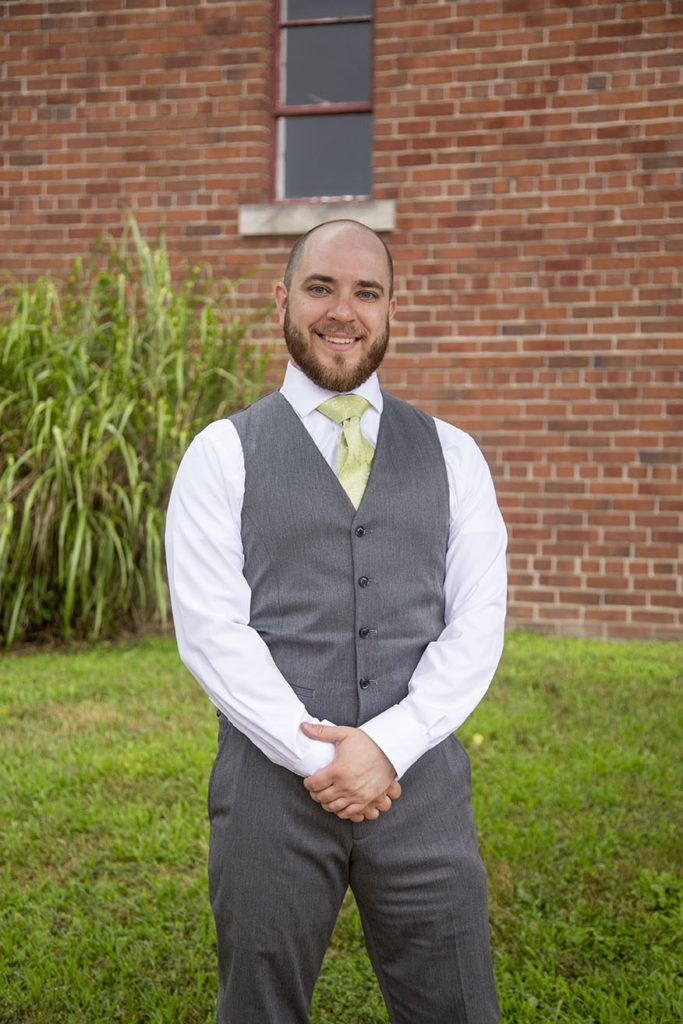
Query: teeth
x=338 y=341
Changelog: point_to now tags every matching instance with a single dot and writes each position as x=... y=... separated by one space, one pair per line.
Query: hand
x=381 y=804
x=358 y=783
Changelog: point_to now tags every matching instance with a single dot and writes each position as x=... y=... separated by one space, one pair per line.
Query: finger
x=325 y=733
x=341 y=804
x=371 y=813
x=353 y=811
x=328 y=794
x=332 y=801
x=319 y=783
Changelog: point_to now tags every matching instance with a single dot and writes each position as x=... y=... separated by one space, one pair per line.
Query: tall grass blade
x=103 y=382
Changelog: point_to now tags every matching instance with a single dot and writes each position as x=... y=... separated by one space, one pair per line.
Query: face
x=336 y=314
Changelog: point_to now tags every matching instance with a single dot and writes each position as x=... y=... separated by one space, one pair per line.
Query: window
x=323 y=105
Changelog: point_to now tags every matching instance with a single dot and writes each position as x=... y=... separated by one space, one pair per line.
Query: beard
x=338 y=377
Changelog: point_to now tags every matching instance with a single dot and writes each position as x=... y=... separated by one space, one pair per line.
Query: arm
x=455 y=670
x=211 y=601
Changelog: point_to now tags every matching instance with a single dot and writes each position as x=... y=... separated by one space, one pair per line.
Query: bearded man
x=336 y=563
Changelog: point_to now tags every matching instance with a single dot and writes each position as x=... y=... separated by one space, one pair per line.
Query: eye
x=367 y=296
x=318 y=289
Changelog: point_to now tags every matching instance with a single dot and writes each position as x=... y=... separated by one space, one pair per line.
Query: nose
x=341 y=307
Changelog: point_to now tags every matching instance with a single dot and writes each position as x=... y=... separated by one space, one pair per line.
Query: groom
x=337 y=573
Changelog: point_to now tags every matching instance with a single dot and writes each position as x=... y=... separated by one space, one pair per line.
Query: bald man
x=337 y=575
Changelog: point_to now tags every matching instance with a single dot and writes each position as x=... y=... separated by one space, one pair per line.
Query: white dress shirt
x=211 y=598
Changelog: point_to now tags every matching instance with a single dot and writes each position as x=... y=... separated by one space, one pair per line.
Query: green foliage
x=103 y=845
x=577 y=795
x=103 y=382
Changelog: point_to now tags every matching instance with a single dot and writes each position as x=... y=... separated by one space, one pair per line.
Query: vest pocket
x=303 y=691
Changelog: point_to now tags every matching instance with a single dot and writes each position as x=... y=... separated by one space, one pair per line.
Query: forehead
x=344 y=253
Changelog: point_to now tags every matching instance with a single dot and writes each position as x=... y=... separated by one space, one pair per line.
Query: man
x=344 y=618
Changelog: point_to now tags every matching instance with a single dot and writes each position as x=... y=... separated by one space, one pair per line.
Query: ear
x=392 y=307
x=281 y=301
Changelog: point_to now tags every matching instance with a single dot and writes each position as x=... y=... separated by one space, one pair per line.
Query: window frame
x=282 y=110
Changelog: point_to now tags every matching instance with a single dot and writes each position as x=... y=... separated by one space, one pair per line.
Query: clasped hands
x=360 y=783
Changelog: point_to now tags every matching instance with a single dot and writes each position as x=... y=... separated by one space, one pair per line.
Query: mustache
x=324 y=327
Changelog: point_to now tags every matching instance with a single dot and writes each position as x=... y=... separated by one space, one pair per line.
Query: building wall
x=534 y=154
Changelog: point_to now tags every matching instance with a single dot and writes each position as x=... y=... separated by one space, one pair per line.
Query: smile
x=338 y=339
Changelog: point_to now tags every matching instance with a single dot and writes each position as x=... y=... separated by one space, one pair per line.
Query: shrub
x=103 y=382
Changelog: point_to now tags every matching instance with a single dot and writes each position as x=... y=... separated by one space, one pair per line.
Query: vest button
x=363 y=581
x=360 y=531
x=364 y=631
x=364 y=683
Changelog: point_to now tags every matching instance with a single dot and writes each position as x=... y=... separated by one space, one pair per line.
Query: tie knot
x=344 y=407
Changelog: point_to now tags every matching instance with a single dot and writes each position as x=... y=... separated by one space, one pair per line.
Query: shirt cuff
x=312 y=760
x=396 y=734
x=309 y=756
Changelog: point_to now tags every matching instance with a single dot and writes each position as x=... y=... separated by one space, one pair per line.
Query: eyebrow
x=326 y=279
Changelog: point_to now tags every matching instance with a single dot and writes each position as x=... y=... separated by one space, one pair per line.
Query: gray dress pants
x=279 y=866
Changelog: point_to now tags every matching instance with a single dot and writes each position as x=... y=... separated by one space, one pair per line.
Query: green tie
x=354 y=455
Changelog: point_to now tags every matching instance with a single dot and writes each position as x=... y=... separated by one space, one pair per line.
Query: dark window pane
x=326 y=64
x=293 y=10
x=325 y=155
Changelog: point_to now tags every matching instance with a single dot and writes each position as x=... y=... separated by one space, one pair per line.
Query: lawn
x=103 y=839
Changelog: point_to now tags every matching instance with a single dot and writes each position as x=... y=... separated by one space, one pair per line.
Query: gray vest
x=346 y=600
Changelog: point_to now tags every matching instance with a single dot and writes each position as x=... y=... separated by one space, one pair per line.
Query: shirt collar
x=305 y=396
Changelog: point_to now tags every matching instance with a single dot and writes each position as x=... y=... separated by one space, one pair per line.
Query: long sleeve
x=211 y=600
x=455 y=670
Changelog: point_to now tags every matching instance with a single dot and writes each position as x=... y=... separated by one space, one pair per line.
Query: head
x=335 y=303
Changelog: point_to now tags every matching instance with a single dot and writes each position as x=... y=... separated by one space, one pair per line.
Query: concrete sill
x=296 y=218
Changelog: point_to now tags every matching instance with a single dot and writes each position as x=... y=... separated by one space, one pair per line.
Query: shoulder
x=401 y=407
x=466 y=467
x=214 y=454
x=410 y=416
x=454 y=442
x=210 y=477
x=268 y=413
x=469 y=476
x=215 y=436
x=259 y=407
x=223 y=435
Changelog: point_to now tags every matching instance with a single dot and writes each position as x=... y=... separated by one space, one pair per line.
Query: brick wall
x=534 y=151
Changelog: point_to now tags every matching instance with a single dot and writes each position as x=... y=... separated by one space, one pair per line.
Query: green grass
x=103 y=839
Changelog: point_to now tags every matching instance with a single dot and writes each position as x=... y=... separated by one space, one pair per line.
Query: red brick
x=537 y=239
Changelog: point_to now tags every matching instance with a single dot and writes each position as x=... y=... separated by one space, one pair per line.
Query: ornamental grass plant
x=104 y=379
